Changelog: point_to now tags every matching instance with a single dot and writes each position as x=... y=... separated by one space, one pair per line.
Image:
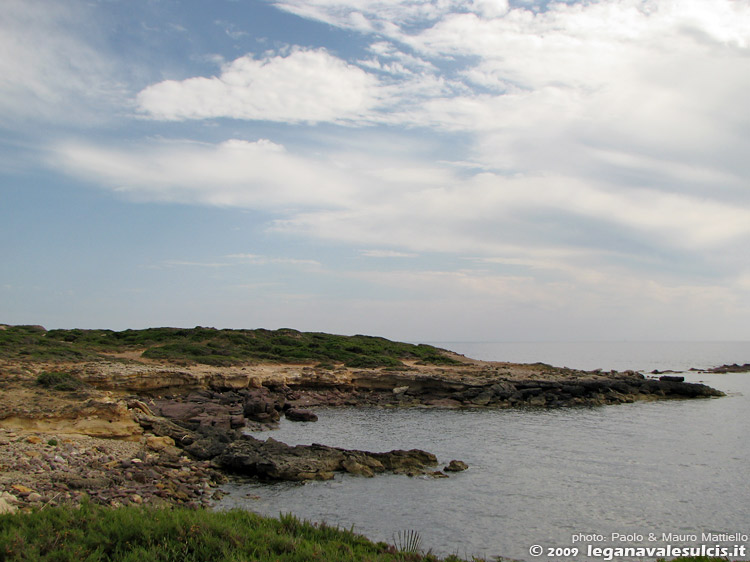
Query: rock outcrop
x=274 y=460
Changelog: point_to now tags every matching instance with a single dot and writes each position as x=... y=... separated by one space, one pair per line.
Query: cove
x=536 y=476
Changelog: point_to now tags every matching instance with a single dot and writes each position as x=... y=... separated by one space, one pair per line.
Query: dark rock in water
x=411 y=462
x=273 y=460
x=671 y=378
x=300 y=415
x=734 y=368
x=456 y=466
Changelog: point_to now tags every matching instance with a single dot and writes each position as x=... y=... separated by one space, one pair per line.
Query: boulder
x=260 y=406
x=300 y=415
x=159 y=443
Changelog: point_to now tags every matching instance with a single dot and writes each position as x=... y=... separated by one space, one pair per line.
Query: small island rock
x=456 y=466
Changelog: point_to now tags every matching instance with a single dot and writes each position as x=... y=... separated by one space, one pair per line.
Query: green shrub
x=59 y=380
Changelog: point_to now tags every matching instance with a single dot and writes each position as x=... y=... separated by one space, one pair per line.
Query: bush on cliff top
x=139 y=534
x=214 y=347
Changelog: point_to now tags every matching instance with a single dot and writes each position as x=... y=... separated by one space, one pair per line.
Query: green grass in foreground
x=213 y=347
x=94 y=533
x=138 y=534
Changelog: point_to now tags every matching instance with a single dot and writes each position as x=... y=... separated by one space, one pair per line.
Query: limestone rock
x=159 y=443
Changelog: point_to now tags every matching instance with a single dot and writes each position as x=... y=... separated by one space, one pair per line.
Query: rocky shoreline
x=130 y=432
x=41 y=470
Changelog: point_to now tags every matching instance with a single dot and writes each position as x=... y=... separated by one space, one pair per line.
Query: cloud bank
x=565 y=150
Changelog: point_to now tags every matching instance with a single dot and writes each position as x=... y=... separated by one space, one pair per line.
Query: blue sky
x=423 y=170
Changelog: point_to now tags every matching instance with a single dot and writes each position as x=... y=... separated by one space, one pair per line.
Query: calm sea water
x=537 y=477
x=638 y=356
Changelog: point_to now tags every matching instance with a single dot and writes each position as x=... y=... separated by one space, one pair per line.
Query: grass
x=138 y=534
x=213 y=347
x=94 y=533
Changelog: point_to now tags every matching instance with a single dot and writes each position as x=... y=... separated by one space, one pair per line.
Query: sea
x=560 y=484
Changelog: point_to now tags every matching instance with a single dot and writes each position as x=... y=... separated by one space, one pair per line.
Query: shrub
x=59 y=380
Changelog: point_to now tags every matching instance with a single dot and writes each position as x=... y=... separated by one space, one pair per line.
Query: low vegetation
x=211 y=346
x=59 y=380
x=139 y=534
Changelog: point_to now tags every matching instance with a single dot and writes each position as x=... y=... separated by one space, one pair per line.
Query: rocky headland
x=120 y=426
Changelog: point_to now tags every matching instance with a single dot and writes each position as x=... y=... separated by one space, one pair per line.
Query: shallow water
x=536 y=477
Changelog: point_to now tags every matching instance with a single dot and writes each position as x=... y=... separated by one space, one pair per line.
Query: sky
x=422 y=170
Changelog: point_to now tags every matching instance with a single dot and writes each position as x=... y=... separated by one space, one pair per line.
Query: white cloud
x=256 y=259
x=588 y=153
x=235 y=173
x=50 y=67
x=304 y=86
x=486 y=213
x=233 y=260
x=387 y=254
x=613 y=298
x=545 y=90
x=187 y=263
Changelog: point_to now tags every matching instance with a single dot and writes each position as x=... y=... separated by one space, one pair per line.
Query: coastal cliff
x=177 y=402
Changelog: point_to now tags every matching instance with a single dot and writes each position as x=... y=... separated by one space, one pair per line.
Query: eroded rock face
x=93 y=417
x=202 y=408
